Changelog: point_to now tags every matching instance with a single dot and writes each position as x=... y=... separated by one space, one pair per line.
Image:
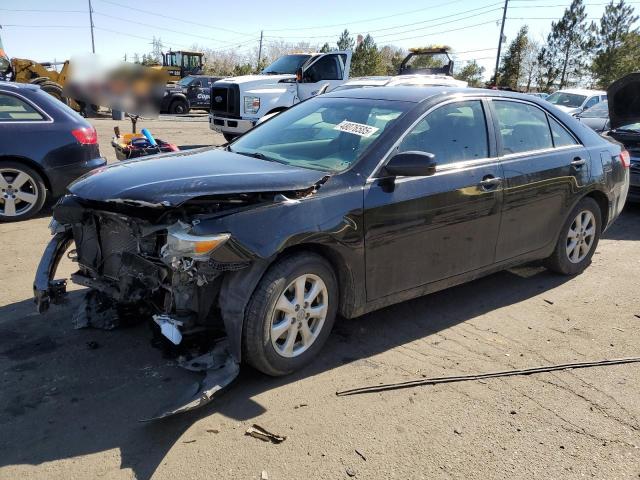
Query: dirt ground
x=71 y=400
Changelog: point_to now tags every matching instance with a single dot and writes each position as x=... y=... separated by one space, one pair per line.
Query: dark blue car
x=44 y=145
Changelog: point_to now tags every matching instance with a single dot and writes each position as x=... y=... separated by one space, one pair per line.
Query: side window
x=561 y=137
x=523 y=127
x=329 y=67
x=13 y=109
x=197 y=83
x=591 y=102
x=454 y=132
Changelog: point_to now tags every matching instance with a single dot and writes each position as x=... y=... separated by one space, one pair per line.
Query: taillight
x=625 y=159
x=86 y=135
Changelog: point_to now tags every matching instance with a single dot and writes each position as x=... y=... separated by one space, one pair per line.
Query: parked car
x=596 y=117
x=418 y=80
x=541 y=95
x=343 y=204
x=44 y=145
x=238 y=103
x=192 y=92
x=624 y=115
x=576 y=100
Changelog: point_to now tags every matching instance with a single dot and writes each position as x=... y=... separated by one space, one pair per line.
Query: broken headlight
x=180 y=243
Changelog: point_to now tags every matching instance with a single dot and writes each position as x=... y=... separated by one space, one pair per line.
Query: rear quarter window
x=14 y=109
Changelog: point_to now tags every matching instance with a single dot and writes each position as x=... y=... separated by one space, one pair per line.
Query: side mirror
x=411 y=164
x=299 y=73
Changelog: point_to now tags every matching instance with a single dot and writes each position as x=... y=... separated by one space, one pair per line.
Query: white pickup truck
x=237 y=103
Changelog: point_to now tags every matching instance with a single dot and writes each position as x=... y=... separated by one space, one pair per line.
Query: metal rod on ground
x=260 y=49
x=505 y=373
x=504 y=18
x=93 y=44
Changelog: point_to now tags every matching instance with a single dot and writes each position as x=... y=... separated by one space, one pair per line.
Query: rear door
x=545 y=168
x=423 y=229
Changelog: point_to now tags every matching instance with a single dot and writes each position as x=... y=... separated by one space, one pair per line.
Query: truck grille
x=225 y=99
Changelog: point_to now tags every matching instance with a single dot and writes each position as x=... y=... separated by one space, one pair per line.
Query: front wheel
x=290 y=314
x=178 y=107
x=578 y=239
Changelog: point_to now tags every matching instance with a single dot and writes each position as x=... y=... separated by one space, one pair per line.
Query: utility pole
x=504 y=18
x=260 y=48
x=93 y=44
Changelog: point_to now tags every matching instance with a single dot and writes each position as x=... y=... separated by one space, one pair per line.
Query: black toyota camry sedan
x=343 y=204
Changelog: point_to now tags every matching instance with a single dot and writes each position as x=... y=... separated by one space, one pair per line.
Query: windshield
x=632 y=127
x=599 y=110
x=184 y=82
x=563 y=99
x=326 y=134
x=286 y=64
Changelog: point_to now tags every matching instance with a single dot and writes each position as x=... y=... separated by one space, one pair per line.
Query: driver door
x=330 y=68
x=420 y=230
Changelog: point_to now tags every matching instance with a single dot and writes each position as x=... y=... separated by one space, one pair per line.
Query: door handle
x=578 y=162
x=490 y=182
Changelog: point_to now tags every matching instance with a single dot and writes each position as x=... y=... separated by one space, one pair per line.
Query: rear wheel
x=578 y=239
x=290 y=315
x=53 y=89
x=22 y=192
x=178 y=107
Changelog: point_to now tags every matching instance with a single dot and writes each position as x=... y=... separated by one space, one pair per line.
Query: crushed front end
x=141 y=262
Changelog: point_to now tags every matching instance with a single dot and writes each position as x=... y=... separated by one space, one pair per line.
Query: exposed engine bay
x=142 y=262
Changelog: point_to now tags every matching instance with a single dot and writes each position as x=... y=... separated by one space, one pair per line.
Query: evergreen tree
x=512 y=61
x=567 y=46
x=471 y=73
x=325 y=48
x=611 y=43
x=346 y=42
x=367 y=59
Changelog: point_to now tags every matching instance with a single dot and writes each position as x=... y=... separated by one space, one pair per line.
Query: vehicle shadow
x=68 y=393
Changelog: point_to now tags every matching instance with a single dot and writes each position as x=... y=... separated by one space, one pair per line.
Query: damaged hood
x=624 y=101
x=171 y=179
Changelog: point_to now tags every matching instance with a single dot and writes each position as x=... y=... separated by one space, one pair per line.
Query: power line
x=39 y=10
x=176 y=19
x=42 y=26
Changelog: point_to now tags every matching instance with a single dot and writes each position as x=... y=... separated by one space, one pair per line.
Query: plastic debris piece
x=256 y=431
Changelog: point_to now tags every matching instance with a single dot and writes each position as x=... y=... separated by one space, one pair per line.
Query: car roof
x=418 y=94
x=18 y=86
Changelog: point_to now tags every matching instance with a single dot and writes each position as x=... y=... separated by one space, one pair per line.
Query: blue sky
x=55 y=30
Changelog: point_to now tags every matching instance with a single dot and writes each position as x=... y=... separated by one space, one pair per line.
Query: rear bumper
x=60 y=177
x=233 y=126
x=634 y=186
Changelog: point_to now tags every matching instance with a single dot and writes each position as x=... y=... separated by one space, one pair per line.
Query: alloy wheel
x=299 y=315
x=18 y=192
x=581 y=236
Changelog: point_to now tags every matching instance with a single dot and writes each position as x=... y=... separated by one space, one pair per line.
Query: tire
x=178 y=107
x=263 y=316
x=53 y=89
x=229 y=137
x=14 y=197
x=39 y=80
x=572 y=261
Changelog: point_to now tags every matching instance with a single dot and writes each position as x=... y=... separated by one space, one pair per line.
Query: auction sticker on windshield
x=356 y=128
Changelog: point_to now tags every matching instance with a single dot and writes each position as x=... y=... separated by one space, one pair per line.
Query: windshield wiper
x=258 y=155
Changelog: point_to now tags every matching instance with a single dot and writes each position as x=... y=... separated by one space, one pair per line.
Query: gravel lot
x=70 y=400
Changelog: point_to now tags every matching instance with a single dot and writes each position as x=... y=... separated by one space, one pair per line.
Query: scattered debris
x=212 y=430
x=548 y=301
x=301 y=405
x=351 y=472
x=618 y=328
x=505 y=373
x=637 y=316
x=256 y=431
x=264 y=476
x=189 y=441
x=361 y=455
x=513 y=412
x=457 y=431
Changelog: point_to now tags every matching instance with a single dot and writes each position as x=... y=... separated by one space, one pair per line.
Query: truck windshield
x=326 y=134
x=184 y=82
x=287 y=64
